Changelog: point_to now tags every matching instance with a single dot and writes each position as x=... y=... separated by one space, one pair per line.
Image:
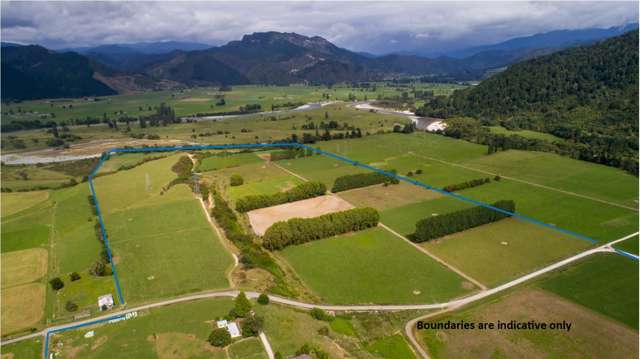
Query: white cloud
x=363 y=26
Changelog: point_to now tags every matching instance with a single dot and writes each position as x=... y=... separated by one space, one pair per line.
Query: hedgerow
x=347 y=182
x=301 y=230
x=468 y=184
x=302 y=191
x=438 y=226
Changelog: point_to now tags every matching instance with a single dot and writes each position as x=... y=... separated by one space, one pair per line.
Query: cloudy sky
x=376 y=27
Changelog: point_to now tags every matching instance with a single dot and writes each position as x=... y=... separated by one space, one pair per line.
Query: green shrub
x=56 y=283
x=438 y=226
x=98 y=269
x=263 y=299
x=302 y=191
x=183 y=167
x=74 y=276
x=71 y=306
x=320 y=314
x=359 y=180
x=301 y=230
x=252 y=326
x=236 y=180
x=220 y=338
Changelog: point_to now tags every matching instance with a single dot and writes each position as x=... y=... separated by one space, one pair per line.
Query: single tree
x=263 y=299
x=252 y=326
x=242 y=305
x=56 y=283
x=220 y=337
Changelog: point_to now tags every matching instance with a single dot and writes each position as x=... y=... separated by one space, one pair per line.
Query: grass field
x=499 y=130
x=224 y=160
x=392 y=347
x=163 y=244
x=22 y=307
x=605 y=283
x=371 y=266
x=591 y=336
x=16 y=202
x=30 y=348
x=26 y=266
x=385 y=197
x=500 y=251
x=250 y=348
x=29 y=177
x=125 y=160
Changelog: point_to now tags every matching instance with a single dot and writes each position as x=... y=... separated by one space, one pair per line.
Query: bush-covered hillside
x=587 y=95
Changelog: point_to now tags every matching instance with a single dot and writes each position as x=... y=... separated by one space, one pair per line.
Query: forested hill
x=31 y=72
x=586 y=95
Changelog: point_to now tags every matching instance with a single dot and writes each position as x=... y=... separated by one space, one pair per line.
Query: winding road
x=446 y=306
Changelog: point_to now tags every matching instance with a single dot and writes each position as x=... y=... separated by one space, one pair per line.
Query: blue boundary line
x=626 y=254
x=46 y=340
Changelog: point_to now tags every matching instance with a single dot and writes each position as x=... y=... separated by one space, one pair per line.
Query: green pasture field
x=16 y=202
x=497 y=252
x=250 y=348
x=606 y=283
x=599 y=221
x=162 y=243
x=320 y=168
x=591 y=335
x=28 y=177
x=28 y=228
x=196 y=100
x=120 y=161
x=249 y=129
x=383 y=197
x=227 y=159
x=563 y=173
x=629 y=245
x=585 y=178
x=392 y=347
x=177 y=331
x=499 y=130
x=371 y=266
x=259 y=178
x=28 y=349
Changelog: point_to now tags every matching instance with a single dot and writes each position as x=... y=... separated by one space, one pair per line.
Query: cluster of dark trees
x=286 y=105
x=302 y=191
x=587 y=96
x=438 y=226
x=290 y=153
x=468 y=184
x=331 y=125
x=164 y=115
x=301 y=230
x=408 y=128
x=347 y=182
x=326 y=136
x=251 y=254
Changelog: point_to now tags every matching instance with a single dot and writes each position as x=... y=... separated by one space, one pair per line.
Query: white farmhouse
x=105 y=302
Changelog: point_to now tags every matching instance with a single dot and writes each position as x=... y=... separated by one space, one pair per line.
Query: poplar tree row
x=302 y=191
x=347 y=182
x=301 y=230
x=438 y=226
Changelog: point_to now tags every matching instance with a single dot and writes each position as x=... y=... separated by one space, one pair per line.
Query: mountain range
x=31 y=72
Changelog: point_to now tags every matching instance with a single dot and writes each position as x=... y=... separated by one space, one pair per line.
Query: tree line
x=290 y=153
x=302 y=230
x=302 y=191
x=251 y=254
x=347 y=182
x=453 y=222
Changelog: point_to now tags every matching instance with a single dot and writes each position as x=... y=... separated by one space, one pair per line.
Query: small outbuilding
x=231 y=327
x=105 y=302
